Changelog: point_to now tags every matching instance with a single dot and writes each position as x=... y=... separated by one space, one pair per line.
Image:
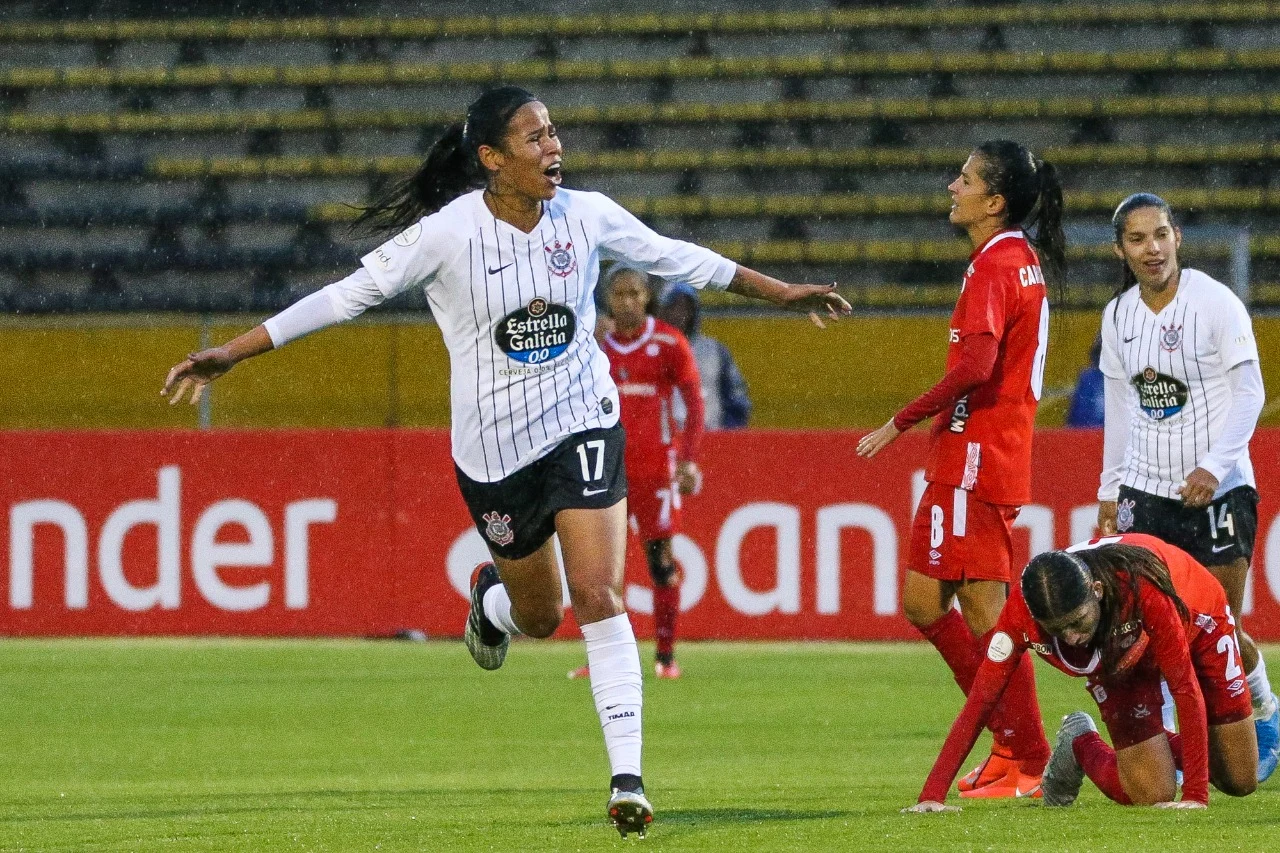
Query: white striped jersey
x=1175 y=366
x=517 y=312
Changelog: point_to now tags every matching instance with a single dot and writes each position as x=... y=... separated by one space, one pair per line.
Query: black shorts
x=1217 y=534
x=517 y=515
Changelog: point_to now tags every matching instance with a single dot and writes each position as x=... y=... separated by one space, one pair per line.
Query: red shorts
x=1131 y=707
x=655 y=508
x=956 y=537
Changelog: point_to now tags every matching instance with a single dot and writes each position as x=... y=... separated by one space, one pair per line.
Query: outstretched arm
x=335 y=303
x=198 y=369
x=819 y=300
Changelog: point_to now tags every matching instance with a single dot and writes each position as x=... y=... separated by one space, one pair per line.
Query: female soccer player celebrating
x=509 y=262
x=1183 y=391
x=1122 y=612
x=979 y=471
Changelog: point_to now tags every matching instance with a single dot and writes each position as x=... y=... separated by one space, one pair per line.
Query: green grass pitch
x=347 y=746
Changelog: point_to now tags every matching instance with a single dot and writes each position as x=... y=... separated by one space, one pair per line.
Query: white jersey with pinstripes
x=1175 y=366
x=517 y=312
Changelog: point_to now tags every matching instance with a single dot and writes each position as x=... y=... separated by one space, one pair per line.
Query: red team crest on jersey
x=560 y=260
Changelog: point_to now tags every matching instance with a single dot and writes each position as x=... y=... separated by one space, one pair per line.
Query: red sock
x=1015 y=722
x=952 y=638
x=1175 y=746
x=1098 y=761
x=666 y=607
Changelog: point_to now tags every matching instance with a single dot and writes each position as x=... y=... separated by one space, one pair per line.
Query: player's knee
x=1148 y=792
x=542 y=623
x=1237 y=783
x=662 y=564
x=593 y=603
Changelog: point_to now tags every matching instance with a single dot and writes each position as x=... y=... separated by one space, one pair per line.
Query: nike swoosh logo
x=1219 y=548
x=1126 y=340
x=586 y=493
x=496 y=270
x=1030 y=792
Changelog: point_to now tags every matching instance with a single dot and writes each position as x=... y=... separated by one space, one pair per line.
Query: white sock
x=1260 y=689
x=614 y=659
x=497 y=608
x=1167 y=710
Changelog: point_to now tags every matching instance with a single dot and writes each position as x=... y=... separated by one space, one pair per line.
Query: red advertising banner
x=363 y=533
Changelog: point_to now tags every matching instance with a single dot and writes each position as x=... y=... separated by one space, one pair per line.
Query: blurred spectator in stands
x=724 y=389
x=1086 y=408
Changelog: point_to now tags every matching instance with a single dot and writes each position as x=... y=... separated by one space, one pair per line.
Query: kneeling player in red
x=648 y=360
x=1122 y=612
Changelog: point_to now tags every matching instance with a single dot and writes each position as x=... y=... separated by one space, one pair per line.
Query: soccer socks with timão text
x=614 y=661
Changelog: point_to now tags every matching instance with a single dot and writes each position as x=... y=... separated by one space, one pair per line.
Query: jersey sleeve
x=685 y=378
x=412 y=257
x=1109 y=360
x=625 y=238
x=998 y=664
x=1236 y=341
x=1168 y=635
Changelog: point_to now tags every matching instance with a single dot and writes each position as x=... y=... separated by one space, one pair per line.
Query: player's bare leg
x=593 y=542
x=1147 y=772
x=1266 y=714
x=1233 y=758
x=533 y=586
x=665 y=573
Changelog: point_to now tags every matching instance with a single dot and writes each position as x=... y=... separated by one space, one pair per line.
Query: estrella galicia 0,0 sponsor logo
x=537 y=333
x=1159 y=395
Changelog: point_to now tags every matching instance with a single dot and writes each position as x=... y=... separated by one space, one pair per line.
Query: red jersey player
x=979 y=470
x=1122 y=612
x=649 y=359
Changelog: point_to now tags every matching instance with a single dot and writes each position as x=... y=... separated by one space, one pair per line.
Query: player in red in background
x=1122 y=612
x=979 y=470
x=648 y=359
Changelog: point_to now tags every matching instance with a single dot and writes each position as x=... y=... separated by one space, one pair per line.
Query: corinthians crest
x=560 y=259
x=1124 y=515
x=498 y=528
x=1170 y=337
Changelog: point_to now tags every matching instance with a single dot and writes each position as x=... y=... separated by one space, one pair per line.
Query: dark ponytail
x=1033 y=197
x=1137 y=201
x=452 y=167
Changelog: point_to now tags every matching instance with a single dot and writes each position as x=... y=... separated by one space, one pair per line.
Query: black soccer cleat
x=629 y=810
x=487 y=643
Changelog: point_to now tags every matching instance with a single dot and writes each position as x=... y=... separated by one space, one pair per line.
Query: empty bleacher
x=212 y=164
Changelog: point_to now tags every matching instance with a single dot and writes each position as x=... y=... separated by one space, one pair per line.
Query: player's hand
x=931 y=807
x=872 y=443
x=820 y=301
x=604 y=326
x=688 y=478
x=1197 y=490
x=1183 y=804
x=1107 y=512
x=195 y=373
